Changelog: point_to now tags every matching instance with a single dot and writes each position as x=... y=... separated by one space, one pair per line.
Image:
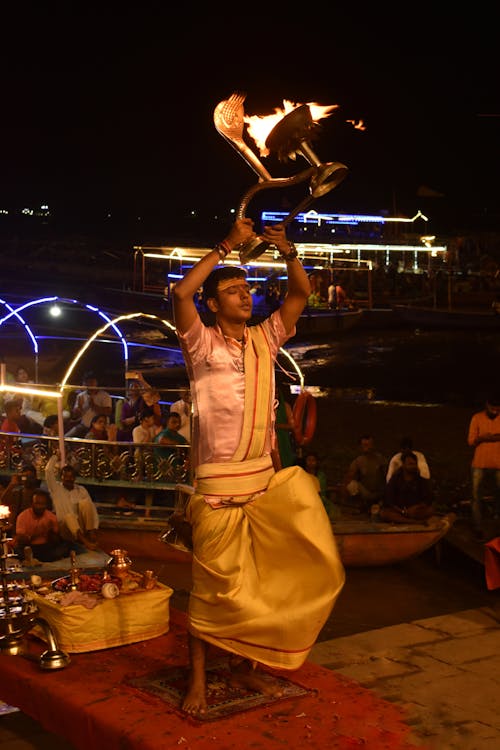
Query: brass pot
x=120 y=563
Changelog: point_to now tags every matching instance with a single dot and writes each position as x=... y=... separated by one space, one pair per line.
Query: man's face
x=492 y=409
x=22 y=375
x=173 y=423
x=410 y=465
x=68 y=479
x=367 y=445
x=234 y=300
x=91 y=385
x=39 y=504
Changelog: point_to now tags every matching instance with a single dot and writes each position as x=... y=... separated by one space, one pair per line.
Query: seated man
x=75 y=510
x=396 y=462
x=18 y=495
x=408 y=497
x=365 y=478
x=37 y=527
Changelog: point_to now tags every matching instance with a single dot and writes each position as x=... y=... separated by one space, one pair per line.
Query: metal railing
x=98 y=461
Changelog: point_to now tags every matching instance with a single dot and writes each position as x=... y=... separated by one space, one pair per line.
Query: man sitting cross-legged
x=38 y=528
x=408 y=497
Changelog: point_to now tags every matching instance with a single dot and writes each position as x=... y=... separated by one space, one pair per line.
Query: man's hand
x=275 y=235
x=240 y=232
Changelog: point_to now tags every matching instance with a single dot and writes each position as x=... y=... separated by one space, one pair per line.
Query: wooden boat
x=361 y=542
x=433 y=317
x=365 y=543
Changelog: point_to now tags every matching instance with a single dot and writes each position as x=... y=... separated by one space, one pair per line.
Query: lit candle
x=4 y=511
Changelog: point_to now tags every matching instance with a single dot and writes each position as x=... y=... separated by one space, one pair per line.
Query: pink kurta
x=218 y=387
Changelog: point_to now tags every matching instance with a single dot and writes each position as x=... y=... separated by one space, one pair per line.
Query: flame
x=259 y=126
x=357 y=125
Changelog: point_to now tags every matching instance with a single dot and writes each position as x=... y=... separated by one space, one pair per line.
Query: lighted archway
x=100 y=331
x=14 y=312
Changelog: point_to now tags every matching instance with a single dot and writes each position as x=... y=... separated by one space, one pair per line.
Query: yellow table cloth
x=131 y=617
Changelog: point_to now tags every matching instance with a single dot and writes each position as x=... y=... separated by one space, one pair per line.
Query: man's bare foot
x=195 y=700
x=244 y=675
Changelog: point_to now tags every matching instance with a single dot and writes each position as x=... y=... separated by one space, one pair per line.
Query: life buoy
x=304 y=416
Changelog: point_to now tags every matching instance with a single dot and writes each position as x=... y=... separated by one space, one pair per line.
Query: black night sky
x=109 y=110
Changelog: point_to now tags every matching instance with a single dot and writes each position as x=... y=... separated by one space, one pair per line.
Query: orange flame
x=259 y=126
x=357 y=125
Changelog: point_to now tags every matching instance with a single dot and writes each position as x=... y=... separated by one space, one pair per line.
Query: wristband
x=291 y=255
x=223 y=249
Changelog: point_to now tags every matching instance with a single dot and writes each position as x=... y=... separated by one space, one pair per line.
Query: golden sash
x=235 y=481
x=259 y=396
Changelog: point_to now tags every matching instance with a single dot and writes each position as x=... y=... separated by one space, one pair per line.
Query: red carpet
x=93 y=704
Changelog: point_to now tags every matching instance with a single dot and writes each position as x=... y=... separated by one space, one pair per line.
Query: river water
x=404 y=365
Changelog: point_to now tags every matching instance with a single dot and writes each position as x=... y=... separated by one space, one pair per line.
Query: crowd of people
x=63 y=516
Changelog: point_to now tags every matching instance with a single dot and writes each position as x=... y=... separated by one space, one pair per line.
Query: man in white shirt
x=406 y=445
x=74 y=508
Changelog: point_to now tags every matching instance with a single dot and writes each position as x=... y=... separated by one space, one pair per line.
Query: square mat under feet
x=222 y=698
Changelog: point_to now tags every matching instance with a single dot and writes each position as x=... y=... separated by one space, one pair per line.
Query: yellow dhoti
x=266 y=573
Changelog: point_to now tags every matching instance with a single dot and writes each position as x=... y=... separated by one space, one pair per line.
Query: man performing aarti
x=266 y=569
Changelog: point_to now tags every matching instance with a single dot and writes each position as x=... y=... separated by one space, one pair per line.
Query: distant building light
x=313 y=217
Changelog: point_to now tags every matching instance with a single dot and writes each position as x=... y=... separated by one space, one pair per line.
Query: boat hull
x=369 y=544
x=360 y=543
